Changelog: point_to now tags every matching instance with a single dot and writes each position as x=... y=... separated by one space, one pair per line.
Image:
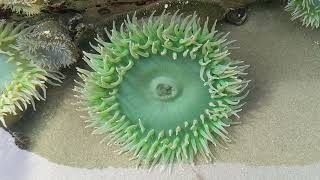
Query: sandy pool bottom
x=280 y=121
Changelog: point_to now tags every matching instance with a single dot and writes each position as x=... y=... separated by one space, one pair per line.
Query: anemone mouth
x=307 y=11
x=164 y=88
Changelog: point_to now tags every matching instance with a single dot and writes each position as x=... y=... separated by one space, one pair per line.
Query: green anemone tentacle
x=164 y=88
x=308 y=11
x=20 y=78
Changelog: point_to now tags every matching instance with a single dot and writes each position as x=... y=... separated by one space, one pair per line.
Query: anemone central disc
x=6 y=70
x=164 y=88
x=162 y=92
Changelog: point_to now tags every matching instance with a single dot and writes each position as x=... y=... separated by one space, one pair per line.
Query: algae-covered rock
x=49 y=46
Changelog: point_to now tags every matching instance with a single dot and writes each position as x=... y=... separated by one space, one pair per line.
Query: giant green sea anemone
x=308 y=11
x=20 y=79
x=164 y=88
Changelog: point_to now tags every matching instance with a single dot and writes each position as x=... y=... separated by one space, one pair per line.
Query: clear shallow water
x=32 y=166
x=280 y=122
x=6 y=70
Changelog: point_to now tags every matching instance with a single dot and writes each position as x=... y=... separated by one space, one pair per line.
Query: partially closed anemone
x=163 y=88
x=20 y=79
x=49 y=45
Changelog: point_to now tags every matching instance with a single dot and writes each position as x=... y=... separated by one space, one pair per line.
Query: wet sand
x=280 y=121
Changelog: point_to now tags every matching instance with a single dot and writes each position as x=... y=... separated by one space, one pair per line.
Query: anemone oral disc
x=163 y=93
x=6 y=70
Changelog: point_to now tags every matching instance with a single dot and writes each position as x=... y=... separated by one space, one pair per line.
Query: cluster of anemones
x=25 y=76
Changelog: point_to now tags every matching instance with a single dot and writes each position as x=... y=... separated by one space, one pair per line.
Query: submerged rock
x=49 y=45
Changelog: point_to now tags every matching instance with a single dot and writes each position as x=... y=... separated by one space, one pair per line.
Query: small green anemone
x=19 y=77
x=164 y=88
x=308 y=11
